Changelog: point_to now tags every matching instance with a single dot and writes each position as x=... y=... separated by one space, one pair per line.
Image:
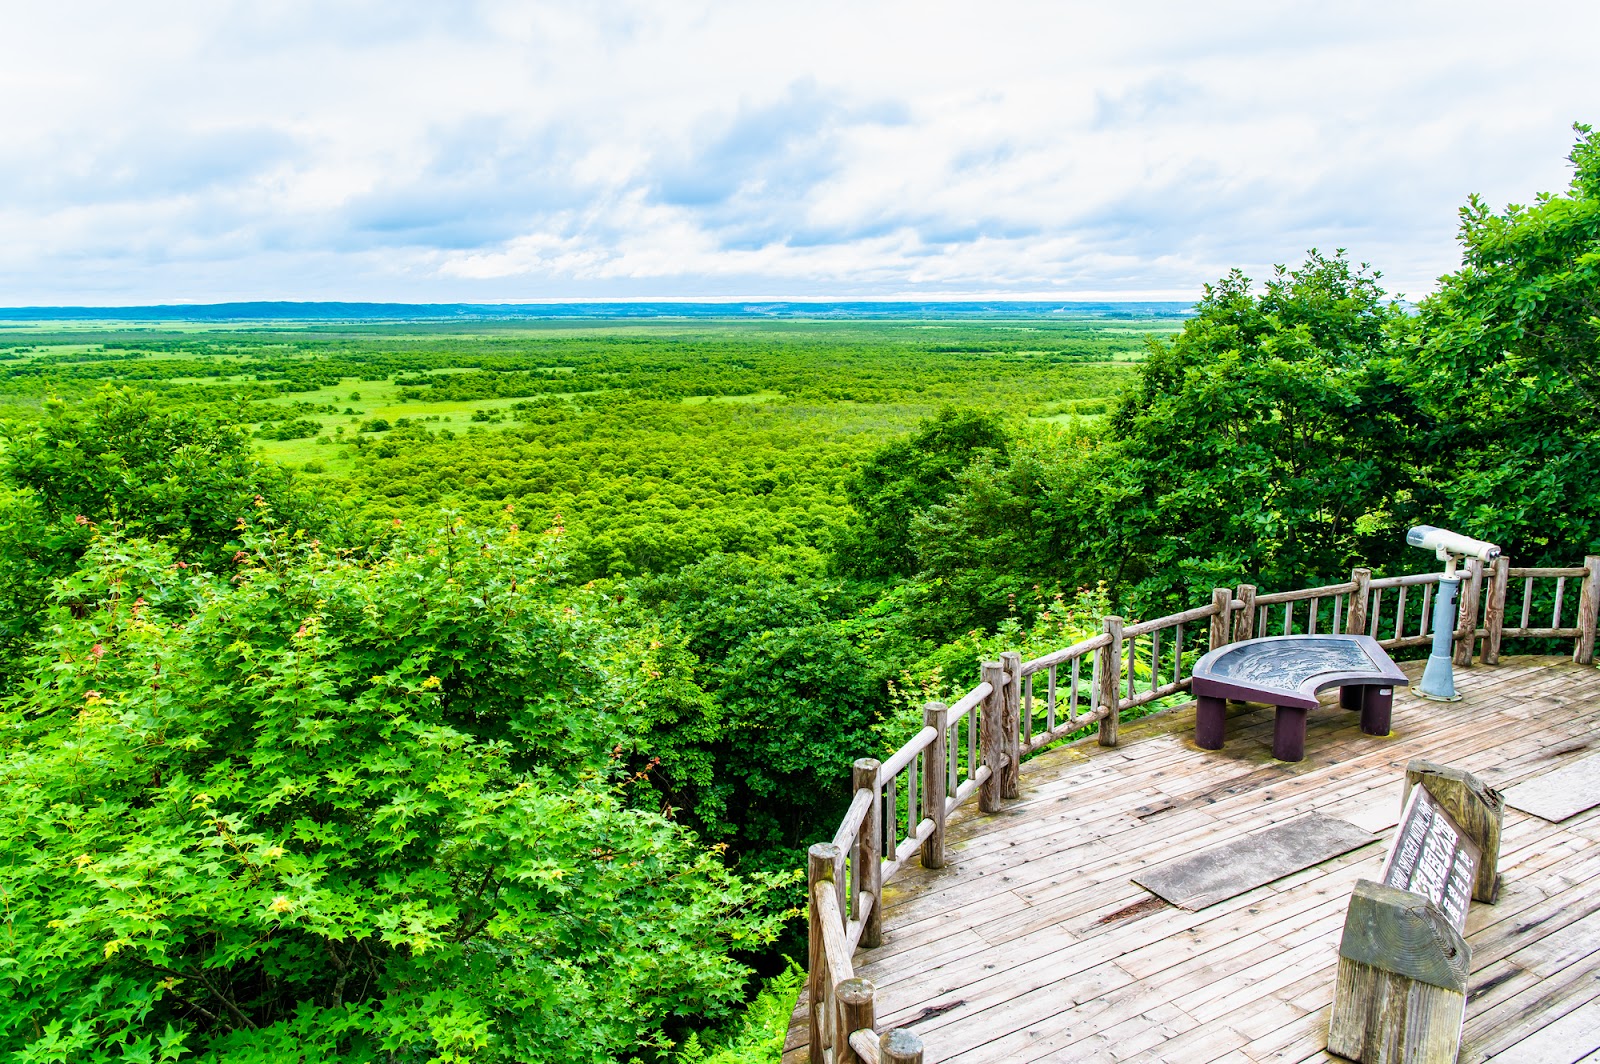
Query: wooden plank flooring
x=1034 y=945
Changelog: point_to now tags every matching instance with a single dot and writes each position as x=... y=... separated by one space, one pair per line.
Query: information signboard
x=1431 y=856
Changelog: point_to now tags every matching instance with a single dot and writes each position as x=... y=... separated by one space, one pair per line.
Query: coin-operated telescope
x=1438 y=679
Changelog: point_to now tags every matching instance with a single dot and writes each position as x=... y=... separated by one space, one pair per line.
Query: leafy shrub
x=375 y=424
x=298 y=429
x=318 y=809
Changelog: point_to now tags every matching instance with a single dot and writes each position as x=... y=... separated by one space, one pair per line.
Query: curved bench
x=1287 y=671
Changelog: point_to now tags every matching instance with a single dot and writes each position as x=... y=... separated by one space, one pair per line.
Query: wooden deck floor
x=1034 y=945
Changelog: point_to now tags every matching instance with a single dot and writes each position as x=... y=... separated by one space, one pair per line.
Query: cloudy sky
x=511 y=151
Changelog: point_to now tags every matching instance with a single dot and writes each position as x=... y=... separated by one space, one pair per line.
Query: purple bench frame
x=1369 y=690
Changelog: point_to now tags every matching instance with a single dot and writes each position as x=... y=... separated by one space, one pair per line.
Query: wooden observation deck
x=1032 y=943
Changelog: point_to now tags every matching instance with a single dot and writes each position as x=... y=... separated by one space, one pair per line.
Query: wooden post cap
x=899 y=1046
x=1404 y=933
x=822 y=855
x=855 y=992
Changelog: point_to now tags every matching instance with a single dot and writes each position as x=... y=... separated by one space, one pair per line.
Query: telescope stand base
x=1420 y=693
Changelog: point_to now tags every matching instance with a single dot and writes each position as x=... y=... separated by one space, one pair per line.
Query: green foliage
x=904 y=478
x=756 y=697
x=297 y=429
x=758 y=1036
x=184 y=477
x=315 y=808
x=1268 y=439
x=1507 y=360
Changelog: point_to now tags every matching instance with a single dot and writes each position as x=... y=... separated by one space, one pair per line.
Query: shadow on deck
x=1034 y=945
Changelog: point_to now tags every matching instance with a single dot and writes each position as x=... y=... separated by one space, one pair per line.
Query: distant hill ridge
x=753 y=309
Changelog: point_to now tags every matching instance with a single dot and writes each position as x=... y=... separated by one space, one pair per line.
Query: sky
x=431 y=151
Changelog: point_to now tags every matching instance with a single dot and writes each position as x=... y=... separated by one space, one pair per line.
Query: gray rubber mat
x=1560 y=794
x=1231 y=868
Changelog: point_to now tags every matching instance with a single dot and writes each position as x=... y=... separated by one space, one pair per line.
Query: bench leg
x=1210 y=722
x=1289 y=734
x=1350 y=696
x=1376 y=708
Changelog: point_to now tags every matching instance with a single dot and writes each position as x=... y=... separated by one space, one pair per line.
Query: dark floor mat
x=1231 y=868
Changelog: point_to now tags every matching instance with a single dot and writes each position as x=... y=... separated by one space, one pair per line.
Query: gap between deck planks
x=1016 y=927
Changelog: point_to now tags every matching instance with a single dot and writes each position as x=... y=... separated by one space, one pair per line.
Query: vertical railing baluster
x=1132 y=643
x=891 y=816
x=1027 y=709
x=1377 y=611
x=952 y=738
x=1427 y=601
x=1072 y=696
x=1094 y=684
x=1400 y=614
x=913 y=794
x=1311 y=618
x=1338 y=601
x=1555 y=614
x=1050 y=702
x=1155 y=660
x=972 y=742
x=1527 y=601
x=1177 y=653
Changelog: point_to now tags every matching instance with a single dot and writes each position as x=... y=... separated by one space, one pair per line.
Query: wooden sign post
x=1401 y=991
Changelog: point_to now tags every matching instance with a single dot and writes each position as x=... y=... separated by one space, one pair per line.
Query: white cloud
x=512 y=150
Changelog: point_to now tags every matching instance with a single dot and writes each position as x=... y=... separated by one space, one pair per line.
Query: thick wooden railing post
x=1111 y=681
x=855 y=1014
x=819 y=869
x=1221 y=617
x=1588 y=612
x=1355 y=618
x=1494 y=612
x=869 y=851
x=899 y=1046
x=935 y=781
x=991 y=735
x=1467 y=621
x=1011 y=778
x=1244 y=627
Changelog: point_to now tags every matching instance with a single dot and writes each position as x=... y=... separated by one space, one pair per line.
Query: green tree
x=1508 y=361
x=904 y=478
x=161 y=471
x=318 y=808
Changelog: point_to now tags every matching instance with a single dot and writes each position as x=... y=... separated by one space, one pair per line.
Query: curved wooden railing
x=1006 y=717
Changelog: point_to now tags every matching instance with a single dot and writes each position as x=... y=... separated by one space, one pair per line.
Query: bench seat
x=1288 y=671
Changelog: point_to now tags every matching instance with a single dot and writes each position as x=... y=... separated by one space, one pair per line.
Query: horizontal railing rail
x=899 y=807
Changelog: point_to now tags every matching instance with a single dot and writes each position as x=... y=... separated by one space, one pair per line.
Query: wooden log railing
x=976 y=746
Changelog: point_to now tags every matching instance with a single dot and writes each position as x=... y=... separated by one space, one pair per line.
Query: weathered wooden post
x=819 y=869
x=869 y=850
x=1221 y=616
x=1244 y=626
x=991 y=735
x=1475 y=807
x=1400 y=995
x=1588 y=612
x=1111 y=681
x=935 y=781
x=1011 y=778
x=1467 y=624
x=1494 y=611
x=855 y=998
x=1355 y=618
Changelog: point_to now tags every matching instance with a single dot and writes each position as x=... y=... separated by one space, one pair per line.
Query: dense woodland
x=471 y=691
